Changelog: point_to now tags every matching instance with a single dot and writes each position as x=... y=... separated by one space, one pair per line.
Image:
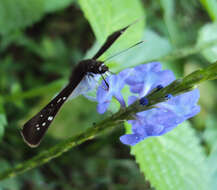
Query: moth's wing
x=87 y=84
x=109 y=41
x=34 y=129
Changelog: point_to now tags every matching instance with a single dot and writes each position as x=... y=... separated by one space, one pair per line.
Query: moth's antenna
x=137 y=20
x=118 y=53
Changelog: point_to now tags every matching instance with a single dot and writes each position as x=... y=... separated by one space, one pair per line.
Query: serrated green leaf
x=211 y=7
x=210 y=137
x=173 y=161
x=212 y=165
x=17 y=14
x=55 y=5
x=208 y=33
x=107 y=16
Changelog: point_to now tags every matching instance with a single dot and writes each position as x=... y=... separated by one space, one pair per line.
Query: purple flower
x=104 y=94
x=148 y=76
x=141 y=81
x=164 y=118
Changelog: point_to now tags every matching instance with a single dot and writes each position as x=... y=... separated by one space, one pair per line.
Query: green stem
x=175 y=88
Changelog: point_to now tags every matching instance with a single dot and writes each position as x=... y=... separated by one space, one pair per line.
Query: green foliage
x=210 y=137
x=208 y=33
x=8 y=183
x=55 y=5
x=211 y=7
x=210 y=134
x=173 y=161
x=3 y=120
x=212 y=166
x=17 y=14
x=168 y=7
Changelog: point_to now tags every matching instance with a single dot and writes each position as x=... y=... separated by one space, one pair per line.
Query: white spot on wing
x=43 y=124
x=38 y=128
x=64 y=98
x=37 y=125
x=50 y=118
x=59 y=100
x=41 y=115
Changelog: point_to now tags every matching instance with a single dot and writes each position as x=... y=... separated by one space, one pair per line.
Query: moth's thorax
x=93 y=66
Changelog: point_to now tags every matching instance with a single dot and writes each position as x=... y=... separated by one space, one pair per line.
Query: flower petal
x=101 y=108
x=130 y=139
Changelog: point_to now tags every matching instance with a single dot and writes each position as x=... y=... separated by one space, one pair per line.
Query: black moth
x=34 y=129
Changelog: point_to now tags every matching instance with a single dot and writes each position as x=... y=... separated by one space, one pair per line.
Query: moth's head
x=97 y=67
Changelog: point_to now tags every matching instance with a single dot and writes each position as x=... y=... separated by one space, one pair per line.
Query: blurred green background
x=41 y=41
